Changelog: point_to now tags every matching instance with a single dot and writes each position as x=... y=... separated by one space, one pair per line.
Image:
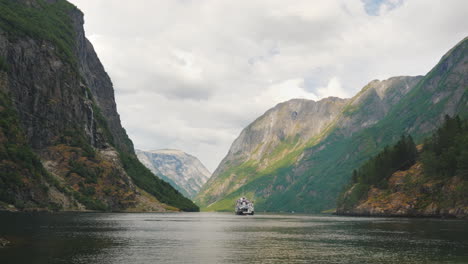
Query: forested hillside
x=401 y=181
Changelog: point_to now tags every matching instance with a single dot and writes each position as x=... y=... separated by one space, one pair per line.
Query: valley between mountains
x=63 y=147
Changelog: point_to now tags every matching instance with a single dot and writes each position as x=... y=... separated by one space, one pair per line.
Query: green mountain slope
x=308 y=177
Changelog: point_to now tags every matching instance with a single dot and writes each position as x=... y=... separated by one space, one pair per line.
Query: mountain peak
x=183 y=171
x=460 y=44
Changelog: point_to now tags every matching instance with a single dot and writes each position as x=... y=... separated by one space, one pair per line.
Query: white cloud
x=333 y=88
x=283 y=91
x=192 y=74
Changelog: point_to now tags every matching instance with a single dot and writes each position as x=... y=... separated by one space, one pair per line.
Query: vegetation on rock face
x=3 y=64
x=20 y=167
x=435 y=186
x=25 y=183
x=78 y=166
x=44 y=21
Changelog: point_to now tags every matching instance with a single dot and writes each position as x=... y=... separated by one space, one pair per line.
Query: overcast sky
x=191 y=74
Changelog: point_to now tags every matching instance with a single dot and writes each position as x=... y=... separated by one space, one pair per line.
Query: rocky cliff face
x=294 y=122
x=306 y=171
x=63 y=146
x=183 y=171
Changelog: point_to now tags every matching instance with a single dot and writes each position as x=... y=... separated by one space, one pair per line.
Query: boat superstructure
x=244 y=207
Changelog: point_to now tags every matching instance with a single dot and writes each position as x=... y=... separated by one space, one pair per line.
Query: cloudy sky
x=191 y=74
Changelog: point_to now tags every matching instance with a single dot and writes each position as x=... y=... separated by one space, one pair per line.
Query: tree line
x=378 y=169
x=444 y=155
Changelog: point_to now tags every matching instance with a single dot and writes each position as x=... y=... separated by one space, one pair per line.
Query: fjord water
x=226 y=238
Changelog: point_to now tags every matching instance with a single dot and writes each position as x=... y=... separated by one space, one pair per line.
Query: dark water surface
x=226 y=238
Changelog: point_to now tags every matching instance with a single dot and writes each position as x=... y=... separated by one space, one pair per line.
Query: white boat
x=244 y=207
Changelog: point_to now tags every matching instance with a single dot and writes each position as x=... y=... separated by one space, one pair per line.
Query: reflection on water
x=226 y=238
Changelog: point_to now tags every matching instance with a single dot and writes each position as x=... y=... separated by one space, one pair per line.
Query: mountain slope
x=183 y=171
x=62 y=145
x=282 y=131
x=309 y=177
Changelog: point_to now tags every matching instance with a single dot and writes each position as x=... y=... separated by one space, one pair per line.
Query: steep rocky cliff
x=63 y=146
x=291 y=123
x=183 y=171
x=307 y=174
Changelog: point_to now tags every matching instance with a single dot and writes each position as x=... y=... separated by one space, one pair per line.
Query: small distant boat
x=244 y=207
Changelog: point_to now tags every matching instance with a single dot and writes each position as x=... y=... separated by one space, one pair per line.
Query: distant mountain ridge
x=283 y=170
x=183 y=171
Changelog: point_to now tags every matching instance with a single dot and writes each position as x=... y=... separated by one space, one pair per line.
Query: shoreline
x=415 y=216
